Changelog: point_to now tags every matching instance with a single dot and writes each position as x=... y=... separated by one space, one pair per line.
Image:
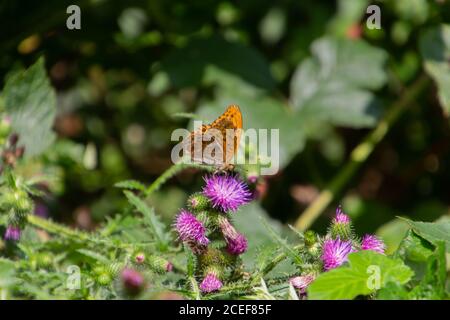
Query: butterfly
x=218 y=142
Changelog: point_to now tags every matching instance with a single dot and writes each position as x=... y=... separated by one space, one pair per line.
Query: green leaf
x=354 y=279
x=432 y=231
x=151 y=219
x=429 y=264
x=187 y=66
x=130 y=184
x=334 y=84
x=31 y=103
x=94 y=255
x=7 y=272
x=435 y=48
x=283 y=244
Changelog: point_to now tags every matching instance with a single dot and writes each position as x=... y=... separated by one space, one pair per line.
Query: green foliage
x=30 y=101
x=333 y=86
x=435 y=48
x=348 y=282
x=95 y=190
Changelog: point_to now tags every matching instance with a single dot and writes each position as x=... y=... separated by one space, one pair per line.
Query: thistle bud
x=198 y=202
x=5 y=127
x=133 y=282
x=211 y=282
x=341 y=226
x=104 y=279
x=114 y=268
x=139 y=258
x=159 y=265
x=236 y=242
x=12 y=233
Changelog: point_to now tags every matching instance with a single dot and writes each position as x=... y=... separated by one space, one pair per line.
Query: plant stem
x=172 y=171
x=56 y=228
x=360 y=154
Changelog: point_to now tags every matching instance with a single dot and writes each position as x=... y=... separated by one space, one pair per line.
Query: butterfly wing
x=216 y=140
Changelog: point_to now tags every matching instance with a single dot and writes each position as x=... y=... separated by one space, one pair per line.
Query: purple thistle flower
x=335 y=252
x=12 y=233
x=190 y=229
x=236 y=242
x=226 y=192
x=133 y=281
x=210 y=283
x=237 y=245
x=341 y=217
x=371 y=242
x=302 y=282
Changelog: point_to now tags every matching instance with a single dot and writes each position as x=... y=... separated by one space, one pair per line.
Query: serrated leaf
x=435 y=49
x=30 y=101
x=356 y=278
x=7 y=272
x=153 y=222
x=283 y=244
x=432 y=231
x=94 y=255
x=130 y=184
x=333 y=86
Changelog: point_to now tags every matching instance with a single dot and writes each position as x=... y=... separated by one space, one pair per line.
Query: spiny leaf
x=151 y=219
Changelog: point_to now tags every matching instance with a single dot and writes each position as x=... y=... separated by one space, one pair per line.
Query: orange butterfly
x=218 y=142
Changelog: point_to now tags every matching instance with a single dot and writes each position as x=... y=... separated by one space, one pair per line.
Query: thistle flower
x=12 y=233
x=236 y=242
x=133 y=281
x=190 y=229
x=371 y=242
x=302 y=282
x=335 y=252
x=210 y=283
x=341 y=217
x=226 y=192
x=341 y=226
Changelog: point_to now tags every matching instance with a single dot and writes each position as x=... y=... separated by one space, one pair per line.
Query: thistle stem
x=360 y=154
x=172 y=171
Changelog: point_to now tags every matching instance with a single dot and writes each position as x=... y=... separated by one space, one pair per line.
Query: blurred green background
x=310 y=68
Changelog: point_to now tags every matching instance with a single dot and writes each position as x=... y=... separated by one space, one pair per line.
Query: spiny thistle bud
x=310 y=238
x=12 y=233
x=159 y=265
x=114 y=268
x=198 y=202
x=139 y=258
x=341 y=226
x=44 y=260
x=211 y=282
x=212 y=256
x=17 y=200
x=301 y=283
x=133 y=282
x=104 y=279
x=236 y=242
x=5 y=127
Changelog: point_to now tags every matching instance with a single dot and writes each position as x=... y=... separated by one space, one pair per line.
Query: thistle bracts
x=208 y=231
